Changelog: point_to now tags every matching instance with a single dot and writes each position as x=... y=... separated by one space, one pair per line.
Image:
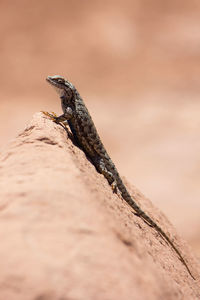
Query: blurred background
x=136 y=63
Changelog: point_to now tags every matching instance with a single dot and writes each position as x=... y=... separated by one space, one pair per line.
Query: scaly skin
x=84 y=131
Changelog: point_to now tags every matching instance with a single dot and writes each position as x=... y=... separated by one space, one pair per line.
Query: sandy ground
x=136 y=65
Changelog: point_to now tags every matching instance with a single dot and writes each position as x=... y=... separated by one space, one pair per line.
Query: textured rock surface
x=65 y=235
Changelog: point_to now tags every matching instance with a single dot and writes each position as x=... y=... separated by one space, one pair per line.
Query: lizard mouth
x=57 y=81
x=57 y=86
x=51 y=81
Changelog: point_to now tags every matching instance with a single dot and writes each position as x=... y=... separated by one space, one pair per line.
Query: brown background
x=137 y=65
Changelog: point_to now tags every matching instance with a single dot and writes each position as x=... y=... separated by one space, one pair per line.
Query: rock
x=65 y=235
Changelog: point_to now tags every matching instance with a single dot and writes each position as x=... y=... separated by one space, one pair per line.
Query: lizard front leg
x=68 y=114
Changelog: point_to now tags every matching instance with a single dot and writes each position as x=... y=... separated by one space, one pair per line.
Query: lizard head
x=62 y=86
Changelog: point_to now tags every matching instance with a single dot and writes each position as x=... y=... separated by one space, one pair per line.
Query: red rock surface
x=65 y=235
x=136 y=64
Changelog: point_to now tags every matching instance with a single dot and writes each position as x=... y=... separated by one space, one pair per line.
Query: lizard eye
x=60 y=80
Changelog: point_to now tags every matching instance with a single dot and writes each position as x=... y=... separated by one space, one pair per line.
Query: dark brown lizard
x=85 y=134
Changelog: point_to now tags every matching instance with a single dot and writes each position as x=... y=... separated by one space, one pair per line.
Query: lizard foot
x=52 y=116
x=55 y=118
x=114 y=186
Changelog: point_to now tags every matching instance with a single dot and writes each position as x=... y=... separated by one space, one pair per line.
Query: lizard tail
x=140 y=213
x=165 y=236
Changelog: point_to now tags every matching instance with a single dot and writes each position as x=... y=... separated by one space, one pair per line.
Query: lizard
x=76 y=114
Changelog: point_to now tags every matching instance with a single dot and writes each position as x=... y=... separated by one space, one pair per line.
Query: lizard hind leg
x=114 y=186
x=101 y=168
